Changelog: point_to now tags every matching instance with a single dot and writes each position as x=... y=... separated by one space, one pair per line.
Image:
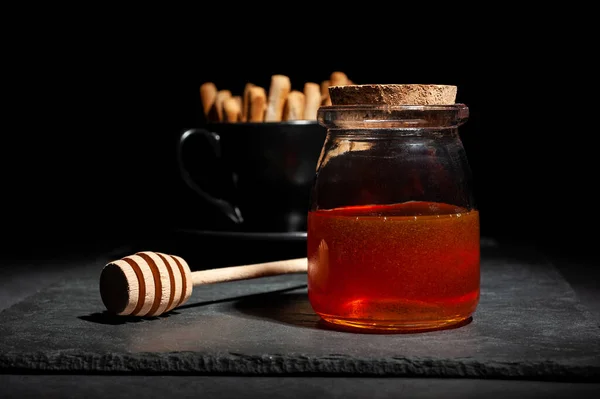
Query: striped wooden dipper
x=151 y=283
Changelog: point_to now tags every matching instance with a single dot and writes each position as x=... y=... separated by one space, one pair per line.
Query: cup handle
x=230 y=210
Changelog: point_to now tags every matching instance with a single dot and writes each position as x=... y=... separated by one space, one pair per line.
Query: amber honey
x=409 y=266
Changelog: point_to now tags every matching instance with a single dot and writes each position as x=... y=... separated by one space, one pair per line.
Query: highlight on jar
x=393 y=238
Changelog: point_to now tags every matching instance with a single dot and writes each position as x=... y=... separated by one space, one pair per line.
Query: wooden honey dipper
x=152 y=283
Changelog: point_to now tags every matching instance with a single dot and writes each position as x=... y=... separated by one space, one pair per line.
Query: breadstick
x=278 y=91
x=222 y=95
x=312 y=100
x=294 y=106
x=208 y=93
x=325 y=99
x=238 y=99
x=246 y=101
x=338 y=79
x=232 y=110
x=257 y=104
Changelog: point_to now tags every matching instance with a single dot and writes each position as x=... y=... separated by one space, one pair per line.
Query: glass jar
x=393 y=230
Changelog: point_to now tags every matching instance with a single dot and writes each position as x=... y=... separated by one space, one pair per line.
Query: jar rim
x=392 y=116
x=383 y=107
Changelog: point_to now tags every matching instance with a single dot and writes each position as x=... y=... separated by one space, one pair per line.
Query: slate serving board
x=529 y=325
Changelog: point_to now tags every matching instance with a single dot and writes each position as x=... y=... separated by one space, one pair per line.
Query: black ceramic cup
x=258 y=175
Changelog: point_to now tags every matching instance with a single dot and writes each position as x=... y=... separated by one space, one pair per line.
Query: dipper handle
x=244 y=272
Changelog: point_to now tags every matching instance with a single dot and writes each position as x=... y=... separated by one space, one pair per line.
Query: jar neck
x=405 y=119
x=391 y=133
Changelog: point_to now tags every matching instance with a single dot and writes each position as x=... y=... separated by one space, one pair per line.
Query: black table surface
x=23 y=278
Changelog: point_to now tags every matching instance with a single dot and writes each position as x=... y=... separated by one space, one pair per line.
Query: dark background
x=89 y=149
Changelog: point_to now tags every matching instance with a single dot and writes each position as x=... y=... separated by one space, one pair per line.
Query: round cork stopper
x=393 y=94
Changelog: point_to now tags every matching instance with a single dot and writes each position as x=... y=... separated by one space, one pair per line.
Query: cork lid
x=393 y=94
x=382 y=106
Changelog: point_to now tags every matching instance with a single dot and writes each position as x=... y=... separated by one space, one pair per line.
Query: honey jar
x=393 y=229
